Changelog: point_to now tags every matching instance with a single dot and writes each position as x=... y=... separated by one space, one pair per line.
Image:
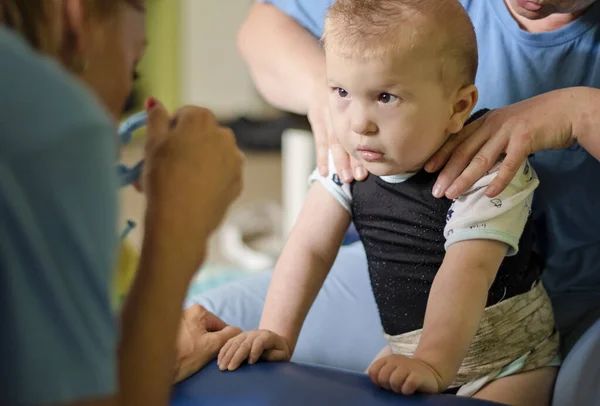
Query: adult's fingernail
x=451 y=192
x=346 y=176
x=491 y=191
x=150 y=103
x=437 y=191
x=429 y=166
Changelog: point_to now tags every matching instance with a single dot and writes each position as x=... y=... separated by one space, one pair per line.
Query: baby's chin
x=388 y=168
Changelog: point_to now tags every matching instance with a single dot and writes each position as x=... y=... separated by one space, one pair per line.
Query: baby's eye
x=386 y=98
x=341 y=92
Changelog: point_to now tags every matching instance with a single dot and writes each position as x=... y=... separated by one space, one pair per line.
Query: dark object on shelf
x=264 y=135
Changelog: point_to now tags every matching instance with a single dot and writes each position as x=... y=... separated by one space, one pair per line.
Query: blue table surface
x=290 y=384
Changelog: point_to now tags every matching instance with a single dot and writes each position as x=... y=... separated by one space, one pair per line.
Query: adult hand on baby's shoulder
x=201 y=337
x=347 y=168
x=192 y=173
x=405 y=375
x=517 y=131
x=252 y=346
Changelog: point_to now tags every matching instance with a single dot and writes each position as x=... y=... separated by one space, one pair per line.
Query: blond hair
x=37 y=20
x=371 y=29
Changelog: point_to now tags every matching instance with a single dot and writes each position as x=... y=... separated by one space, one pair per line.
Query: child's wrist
x=439 y=368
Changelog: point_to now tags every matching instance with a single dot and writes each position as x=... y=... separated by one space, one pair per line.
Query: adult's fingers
x=358 y=170
x=322 y=146
x=197 y=115
x=211 y=322
x=221 y=337
x=442 y=156
x=460 y=158
x=516 y=154
x=482 y=161
x=341 y=160
x=158 y=122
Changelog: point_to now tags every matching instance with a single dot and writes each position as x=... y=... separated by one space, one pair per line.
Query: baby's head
x=401 y=75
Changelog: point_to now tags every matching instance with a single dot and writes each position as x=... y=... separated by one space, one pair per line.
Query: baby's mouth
x=369 y=154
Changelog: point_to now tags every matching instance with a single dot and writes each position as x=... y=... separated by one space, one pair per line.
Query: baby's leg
x=531 y=388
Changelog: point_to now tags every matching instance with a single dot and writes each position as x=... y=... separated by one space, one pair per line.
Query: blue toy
x=291 y=384
x=130 y=175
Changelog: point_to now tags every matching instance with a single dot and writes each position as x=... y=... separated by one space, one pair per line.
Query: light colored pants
x=344 y=308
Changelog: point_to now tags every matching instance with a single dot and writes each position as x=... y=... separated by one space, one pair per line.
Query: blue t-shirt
x=515 y=65
x=58 y=208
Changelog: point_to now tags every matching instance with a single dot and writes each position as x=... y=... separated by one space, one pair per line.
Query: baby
x=456 y=282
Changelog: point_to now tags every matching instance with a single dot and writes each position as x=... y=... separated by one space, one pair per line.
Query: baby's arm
x=480 y=233
x=456 y=304
x=299 y=274
x=304 y=264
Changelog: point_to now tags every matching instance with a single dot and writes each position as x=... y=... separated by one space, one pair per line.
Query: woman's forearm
x=151 y=318
x=285 y=60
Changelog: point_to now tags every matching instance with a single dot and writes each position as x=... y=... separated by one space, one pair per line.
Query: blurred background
x=192 y=58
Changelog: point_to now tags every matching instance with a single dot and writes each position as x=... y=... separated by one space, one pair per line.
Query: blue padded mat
x=289 y=384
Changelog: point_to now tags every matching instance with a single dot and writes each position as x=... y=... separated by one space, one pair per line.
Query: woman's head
x=101 y=41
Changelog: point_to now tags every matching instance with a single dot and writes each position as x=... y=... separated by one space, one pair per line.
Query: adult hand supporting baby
x=201 y=337
x=552 y=120
x=347 y=168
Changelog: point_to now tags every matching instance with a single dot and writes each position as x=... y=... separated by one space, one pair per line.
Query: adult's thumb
x=158 y=120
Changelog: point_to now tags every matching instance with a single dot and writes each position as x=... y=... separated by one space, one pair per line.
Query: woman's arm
x=192 y=174
x=287 y=64
x=285 y=60
x=552 y=120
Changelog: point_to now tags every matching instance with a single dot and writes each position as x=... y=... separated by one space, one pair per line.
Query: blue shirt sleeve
x=58 y=208
x=309 y=13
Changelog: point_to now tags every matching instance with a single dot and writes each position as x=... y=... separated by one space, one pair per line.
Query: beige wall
x=212 y=73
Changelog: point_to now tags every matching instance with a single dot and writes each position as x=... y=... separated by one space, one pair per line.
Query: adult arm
x=285 y=59
x=185 y=205
x=553 y=120
x=187 y=199
x=287 y=64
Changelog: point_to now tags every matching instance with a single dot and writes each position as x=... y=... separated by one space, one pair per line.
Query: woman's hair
x=37 y=20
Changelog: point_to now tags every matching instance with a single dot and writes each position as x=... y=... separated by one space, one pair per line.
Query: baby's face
x=392 y=113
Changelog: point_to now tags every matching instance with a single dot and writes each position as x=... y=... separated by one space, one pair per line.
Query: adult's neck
x=546 y=24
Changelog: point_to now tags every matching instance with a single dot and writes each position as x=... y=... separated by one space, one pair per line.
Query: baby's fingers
x=224 y=350
x=411 y=384
x=258 y=347
x=240 y=355
x=228 y=351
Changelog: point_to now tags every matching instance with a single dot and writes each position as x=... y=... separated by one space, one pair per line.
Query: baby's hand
x=253 y=345
x=404 y=375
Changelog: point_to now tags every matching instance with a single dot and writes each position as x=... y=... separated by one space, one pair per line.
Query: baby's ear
x=464 y=102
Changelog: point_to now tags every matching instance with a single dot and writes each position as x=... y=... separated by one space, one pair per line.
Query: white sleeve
x=474 y=216
x=335 y=186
